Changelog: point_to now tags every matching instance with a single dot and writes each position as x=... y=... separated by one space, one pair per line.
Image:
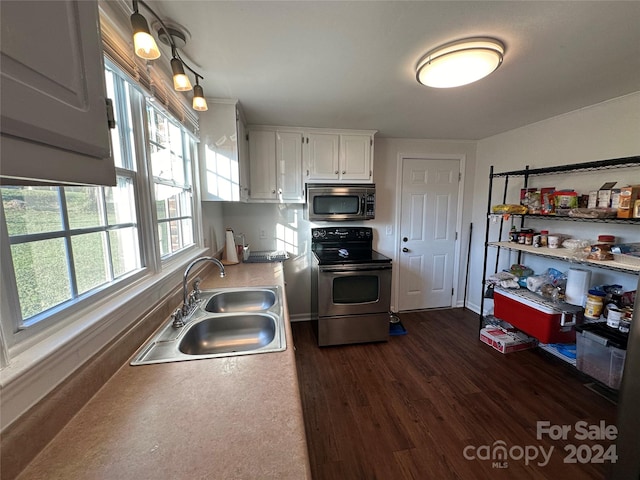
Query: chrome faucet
x=188 y=306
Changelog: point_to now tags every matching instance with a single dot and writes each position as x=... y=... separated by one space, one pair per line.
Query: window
x=66 y=244
x=68 y=241
x=170 y=152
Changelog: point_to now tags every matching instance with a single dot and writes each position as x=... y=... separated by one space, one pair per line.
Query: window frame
x=76 y=312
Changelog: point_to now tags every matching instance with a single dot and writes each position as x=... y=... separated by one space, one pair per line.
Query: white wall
x=606 y=130
x=388 y=153
x=284 y=228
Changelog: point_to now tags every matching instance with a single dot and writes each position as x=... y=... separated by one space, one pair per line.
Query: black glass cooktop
x=344 y=245
x=349 y=256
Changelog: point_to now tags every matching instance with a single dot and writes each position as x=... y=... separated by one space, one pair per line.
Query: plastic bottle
x=595 y=301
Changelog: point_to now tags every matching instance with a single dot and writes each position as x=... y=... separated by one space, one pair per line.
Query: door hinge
x=247 y=137
x=111 y=119
x=456 y=235
x=452 y=292
x=371 y=142
x=459 y=176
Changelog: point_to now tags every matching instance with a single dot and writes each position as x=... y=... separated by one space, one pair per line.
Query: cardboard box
x=506 y=342
x=628 y=197
x=547 y=200
x=604 y=195
x=615 y=198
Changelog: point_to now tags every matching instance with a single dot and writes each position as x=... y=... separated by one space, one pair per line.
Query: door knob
x=405 y=239
x=405 y=249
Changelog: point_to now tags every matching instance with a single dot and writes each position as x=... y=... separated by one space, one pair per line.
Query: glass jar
x=528 y=239
x=544 y=238
x=595 y=301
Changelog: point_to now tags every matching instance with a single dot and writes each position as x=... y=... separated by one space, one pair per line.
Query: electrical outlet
x=389 y=229
x=263 y=234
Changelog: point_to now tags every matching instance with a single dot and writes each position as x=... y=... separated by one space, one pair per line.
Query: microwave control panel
x=370 y=205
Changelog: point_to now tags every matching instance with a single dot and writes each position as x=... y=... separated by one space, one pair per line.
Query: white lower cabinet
x=275 y=166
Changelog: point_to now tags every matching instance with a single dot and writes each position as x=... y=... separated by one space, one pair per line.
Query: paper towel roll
x=578 y=281
x=230 y=255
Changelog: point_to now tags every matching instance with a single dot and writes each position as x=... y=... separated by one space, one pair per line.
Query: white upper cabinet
x=223 y=150
x=355 y=157
x=275 y=165
x=262 y=161
x=289 y=168
x=322 y=156
x=54 y=112
x=338 y=156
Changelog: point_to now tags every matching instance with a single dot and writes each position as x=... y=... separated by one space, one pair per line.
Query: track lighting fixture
x=181 y=82
x=146 y=47
x=143 y=43
x=199 y=102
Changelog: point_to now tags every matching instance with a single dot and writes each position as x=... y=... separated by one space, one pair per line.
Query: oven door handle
x=355 y=268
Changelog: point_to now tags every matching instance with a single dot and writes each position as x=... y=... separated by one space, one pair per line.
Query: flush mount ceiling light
x=460 y=62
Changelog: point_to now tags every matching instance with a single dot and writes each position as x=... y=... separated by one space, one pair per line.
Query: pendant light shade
x=181 y=82
x=144 y=44
x=460 y=63
x=199 y=102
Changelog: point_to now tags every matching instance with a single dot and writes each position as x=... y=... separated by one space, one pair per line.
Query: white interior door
x=429 y=203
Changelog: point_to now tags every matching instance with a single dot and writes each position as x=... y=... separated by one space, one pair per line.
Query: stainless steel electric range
x=351 y=287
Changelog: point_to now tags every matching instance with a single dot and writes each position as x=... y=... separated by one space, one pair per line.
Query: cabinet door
x=53 y=93
x=262 y=164
x=289 y=163
x=243 y=158
x=219 y=165
x=322 y=156
x=355 y=157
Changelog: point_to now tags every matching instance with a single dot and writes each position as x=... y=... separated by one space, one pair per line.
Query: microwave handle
x=363 y=204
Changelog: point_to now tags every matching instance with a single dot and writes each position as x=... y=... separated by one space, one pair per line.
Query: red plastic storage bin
x=536 y=316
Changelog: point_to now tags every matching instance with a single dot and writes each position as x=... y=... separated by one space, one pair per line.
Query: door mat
x=397 y=329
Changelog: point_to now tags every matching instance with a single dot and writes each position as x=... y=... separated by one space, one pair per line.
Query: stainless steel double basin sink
x=226 y=322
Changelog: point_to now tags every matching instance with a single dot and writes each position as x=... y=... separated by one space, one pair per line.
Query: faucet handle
x=192 y=299
x=176 y=316
x=196 y=289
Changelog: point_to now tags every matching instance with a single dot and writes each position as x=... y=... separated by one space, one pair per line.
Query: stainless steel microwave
x=340 y=202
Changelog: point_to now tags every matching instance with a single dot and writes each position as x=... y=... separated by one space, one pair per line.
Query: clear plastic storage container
x=601 y=352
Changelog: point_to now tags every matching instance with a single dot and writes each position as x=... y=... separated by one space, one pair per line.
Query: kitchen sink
x=226 y=322
x=229 y=334
x=241 y=301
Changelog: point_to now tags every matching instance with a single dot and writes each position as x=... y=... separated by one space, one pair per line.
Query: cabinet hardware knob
x=336 y=172
x=343 y=172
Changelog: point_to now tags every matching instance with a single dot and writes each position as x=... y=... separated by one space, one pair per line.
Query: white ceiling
x=352 y=64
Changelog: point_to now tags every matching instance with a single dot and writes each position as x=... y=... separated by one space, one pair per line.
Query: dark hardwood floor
x=410 y=408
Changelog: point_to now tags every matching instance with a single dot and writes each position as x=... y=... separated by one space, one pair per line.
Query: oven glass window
x=355 y=289
x=336 y=205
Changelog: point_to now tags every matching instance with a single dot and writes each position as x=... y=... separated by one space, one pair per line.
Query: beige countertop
x=222 y=418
